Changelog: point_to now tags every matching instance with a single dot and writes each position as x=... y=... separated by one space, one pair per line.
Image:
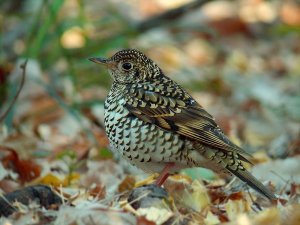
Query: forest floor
x=243 y=70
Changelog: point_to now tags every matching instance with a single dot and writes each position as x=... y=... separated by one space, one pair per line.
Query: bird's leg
x=164 y=174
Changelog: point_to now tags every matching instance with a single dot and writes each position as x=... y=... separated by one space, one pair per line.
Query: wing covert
x=176 y=111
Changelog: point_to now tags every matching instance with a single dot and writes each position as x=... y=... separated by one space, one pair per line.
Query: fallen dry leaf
x=27 y=169
x=236 y=207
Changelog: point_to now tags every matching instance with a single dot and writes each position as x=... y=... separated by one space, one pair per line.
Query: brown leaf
x=98 y=191
x=127 y=184
x=141 y=220
x=290 y=13
x=220 y=213
x=230 y=26
x=236 y=196
x=26 y=168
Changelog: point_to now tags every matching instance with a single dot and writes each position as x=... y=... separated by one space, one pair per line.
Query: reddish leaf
x=230 y=26
x=26 y=168
x=220 y=213
x=127 y=184
x=216 y=194
x=236 y=196
x=4 y=71
x=143 y=221
x=294 y=189
x=251 y=104
x=98 y=191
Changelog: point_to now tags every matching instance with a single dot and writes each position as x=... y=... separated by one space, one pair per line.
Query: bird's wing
x=169 y=107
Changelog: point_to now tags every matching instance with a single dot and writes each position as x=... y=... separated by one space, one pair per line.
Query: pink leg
x=164 y=174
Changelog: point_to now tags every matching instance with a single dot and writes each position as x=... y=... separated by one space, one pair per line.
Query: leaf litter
x=55 y=134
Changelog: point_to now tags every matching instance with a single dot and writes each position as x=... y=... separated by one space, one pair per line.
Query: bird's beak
x=106 y=62
x=98 y=60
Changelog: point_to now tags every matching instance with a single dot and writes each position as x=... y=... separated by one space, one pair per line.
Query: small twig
x=254 y=202
x=92 y=220
x=103 y=209
x=165 y=17
x=23 y=68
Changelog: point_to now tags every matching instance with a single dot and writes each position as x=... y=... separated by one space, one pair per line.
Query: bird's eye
x=127 y=66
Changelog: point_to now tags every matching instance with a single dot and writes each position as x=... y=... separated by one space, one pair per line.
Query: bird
x=156 y=125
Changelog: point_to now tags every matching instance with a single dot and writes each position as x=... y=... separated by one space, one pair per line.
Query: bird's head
x=129 y=66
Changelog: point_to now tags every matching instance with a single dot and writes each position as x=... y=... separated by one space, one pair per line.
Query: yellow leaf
x=196 y=198
x=234 y=208
x=211 y=219
x=57 y=181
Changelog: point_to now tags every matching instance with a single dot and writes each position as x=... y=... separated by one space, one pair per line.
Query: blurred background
x=239 y=59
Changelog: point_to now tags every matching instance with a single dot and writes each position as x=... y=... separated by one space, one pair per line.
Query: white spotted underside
x=142 y=143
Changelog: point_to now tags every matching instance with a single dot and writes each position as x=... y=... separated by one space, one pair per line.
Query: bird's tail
x=247 y=177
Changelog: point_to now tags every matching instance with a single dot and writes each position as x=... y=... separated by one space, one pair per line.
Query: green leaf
x=44 y=22
x=66 y=153
x=199 y=173
x=105 y=153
